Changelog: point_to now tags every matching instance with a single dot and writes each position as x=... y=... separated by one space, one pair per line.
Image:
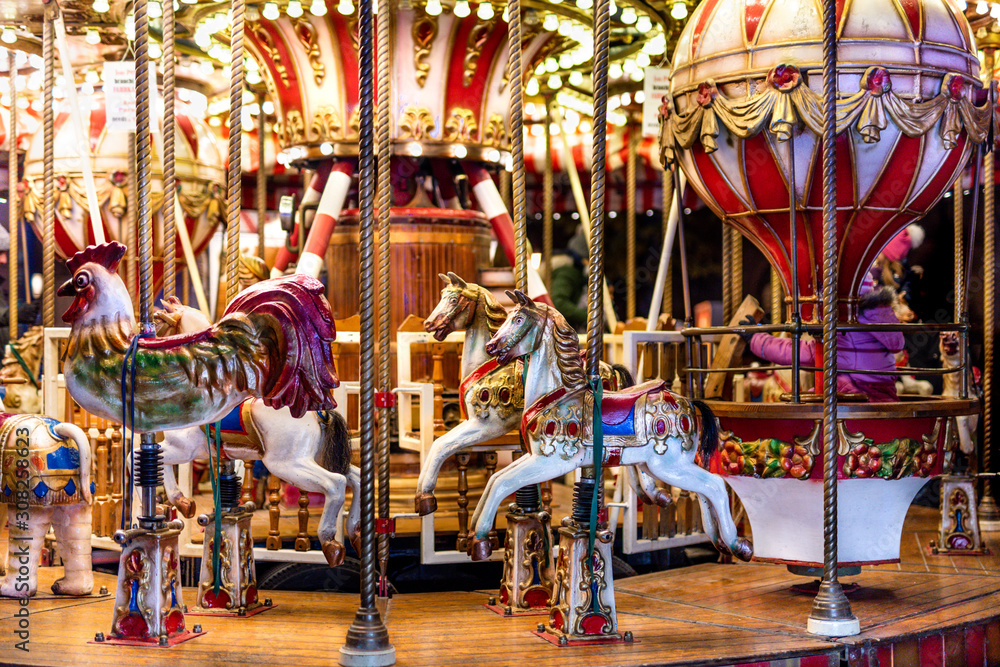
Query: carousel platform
x=926 y=610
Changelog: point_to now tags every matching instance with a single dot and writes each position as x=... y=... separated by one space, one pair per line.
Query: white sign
x=655 y=85
x=119 y=91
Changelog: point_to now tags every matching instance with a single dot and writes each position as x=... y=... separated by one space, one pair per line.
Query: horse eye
x=454 y=299
x=81 y=280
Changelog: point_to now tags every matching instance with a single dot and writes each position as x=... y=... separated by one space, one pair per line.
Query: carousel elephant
x=45 y=481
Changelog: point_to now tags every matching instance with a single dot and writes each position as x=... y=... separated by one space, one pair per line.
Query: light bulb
x=565 y=27
x=155 y=10
x=268 y=107
x=505 y=17
x=294 y=9
x=433 y=7
x=101 y=6
x=555 y=81
x=644 y=24
x=642 y=60
x=318 y=8
x=585 y=4
x=532 y=87
x=207 y=68
x=963 y=5
x=154 y=49
x=565 y=61
x=270 y=11
x=462 y=9
x=628 y=15
x=345 y=7
x=551 y=64
x=639 y=97
x=253 y=77
x=615 y=70
x=995 y=11
x=982 y=7
x=91 y=77
x=576 y=78
x=93 y=37
x=8 y=35
x=485 y=11
x=87 y=89
x=202 y=38
x=551 y=22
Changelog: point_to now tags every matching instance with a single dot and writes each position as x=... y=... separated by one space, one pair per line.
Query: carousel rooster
x=273 y=342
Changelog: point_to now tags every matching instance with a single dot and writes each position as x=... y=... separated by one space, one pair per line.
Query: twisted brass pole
x=143 y=157
x=988 y=510
x=958 y=220
x=630 y=177
x=517 y=143
x=548 y=200
x=13 y=224
x=727 y=273
x=235 y=136
x=169 y=181
x=384 y=195
x=667 y=187
x=736 y=270
x=776 y=297
x=831 y=612
x=367 y=640
x=261 y=193
x=48 y=156
x=595 y=275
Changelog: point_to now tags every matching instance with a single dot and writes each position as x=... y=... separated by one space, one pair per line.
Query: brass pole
x=48 y=156
x=727 y=273
x=13 y=224
x=548 y=200
x=261 y=194
x=169 y=181
x=668 y=282
x=776 y=297
x=736 y=270
x=630 y=177
x=517 y=143
x=235 y=145
x=958 y=218
x=988 y=510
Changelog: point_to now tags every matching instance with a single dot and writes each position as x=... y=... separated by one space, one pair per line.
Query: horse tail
x=73 y=432
x=335 y=449
x=709 y=431
x=625 y=378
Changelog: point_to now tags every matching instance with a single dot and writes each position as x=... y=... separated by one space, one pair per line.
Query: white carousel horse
x=24 y=396
x=312 y=452
x=491 y=395
x=645 y=425
x=968 y=425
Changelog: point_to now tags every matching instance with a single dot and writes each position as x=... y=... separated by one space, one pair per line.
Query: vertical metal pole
x=48 y=156
x=548 y=200
x=367 y=640
x=958 y=220
x=12 y=217
x=735 y=269
x=384 y=195
x=793 y=226
x=685 y=282
x=630 y=177
x=776 y=297
x=595 y=275
x=831 y=612
x=235 y=137
x=169 y=181
x=517 y=142
x=261 y=194
x=727 y=273
x=988 y=510
x=667 y=306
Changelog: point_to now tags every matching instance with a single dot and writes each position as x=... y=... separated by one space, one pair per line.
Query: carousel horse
x=312 y=452
x=491 y=395
x=644 y=425
x=21 y=363
x=968 y=425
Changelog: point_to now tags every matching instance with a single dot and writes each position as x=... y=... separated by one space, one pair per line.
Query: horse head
x=513 y=339
x=455 y=309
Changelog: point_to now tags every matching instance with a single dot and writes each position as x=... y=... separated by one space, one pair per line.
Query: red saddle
x=617 y=406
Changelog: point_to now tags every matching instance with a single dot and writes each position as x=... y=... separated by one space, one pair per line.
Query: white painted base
x=841 y=628
x=786 y=516
x=352 y=658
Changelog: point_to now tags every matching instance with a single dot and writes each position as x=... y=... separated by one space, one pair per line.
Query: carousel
x=286 y=379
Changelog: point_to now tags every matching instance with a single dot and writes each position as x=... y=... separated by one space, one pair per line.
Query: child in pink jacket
x=860 y=350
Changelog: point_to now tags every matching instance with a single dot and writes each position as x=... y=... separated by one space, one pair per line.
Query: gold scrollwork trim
x=266 y=44
x=416 y=123
x=306 y=32
x=425 y=29
x=461 y=125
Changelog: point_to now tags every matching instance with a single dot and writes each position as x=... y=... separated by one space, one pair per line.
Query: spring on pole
x=583 y=495
x=528 y=499
x=149 y=470
x=229 y=489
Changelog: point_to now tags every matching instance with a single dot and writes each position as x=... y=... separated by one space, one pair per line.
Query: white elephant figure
x=45 y=481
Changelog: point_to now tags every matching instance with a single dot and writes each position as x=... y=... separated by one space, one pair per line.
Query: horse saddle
x=618 y=408
x=239 y=436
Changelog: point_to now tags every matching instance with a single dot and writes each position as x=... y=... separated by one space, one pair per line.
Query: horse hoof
x=356 y=542
x=743 y=549
x=334 y=552
x=425 y=504
x=186 y=507
x=481 y=549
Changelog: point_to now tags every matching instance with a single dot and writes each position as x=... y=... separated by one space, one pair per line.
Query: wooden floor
x=706 y=614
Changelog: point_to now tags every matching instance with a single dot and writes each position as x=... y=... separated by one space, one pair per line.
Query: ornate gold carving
x=474 y=47
x=495 y=132
x=461 y=126
x=225 y=563
x=306 y=33
x=417 y=123
x=425 y=29
x=292 y=129
x=354 y=122
x=326 y=125
x=500 y=391
x=812 y=441
x=266 y=44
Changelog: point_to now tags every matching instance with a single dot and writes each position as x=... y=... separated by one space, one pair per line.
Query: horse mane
x=567 y=346
x=29 y=346
x=495 y=313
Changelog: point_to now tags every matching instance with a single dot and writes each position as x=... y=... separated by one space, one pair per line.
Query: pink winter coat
x=862 y=350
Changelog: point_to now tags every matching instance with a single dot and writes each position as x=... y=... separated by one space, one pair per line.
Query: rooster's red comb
x=107 y=255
